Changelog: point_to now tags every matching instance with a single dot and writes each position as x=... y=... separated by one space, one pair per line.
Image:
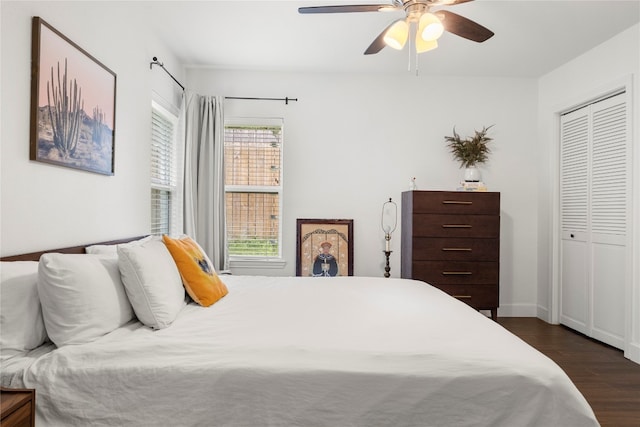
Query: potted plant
x=470 y=151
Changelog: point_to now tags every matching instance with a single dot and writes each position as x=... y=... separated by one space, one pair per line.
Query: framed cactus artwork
x=73 y=100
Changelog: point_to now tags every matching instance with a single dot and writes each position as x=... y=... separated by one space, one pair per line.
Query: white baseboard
x=633 y=352
x=518 y=310
x=543 y=313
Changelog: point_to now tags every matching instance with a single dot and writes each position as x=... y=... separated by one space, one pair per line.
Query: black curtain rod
x=156 y=62
x=286 y=100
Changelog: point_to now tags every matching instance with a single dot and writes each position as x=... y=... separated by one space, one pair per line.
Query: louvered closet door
x=610 y=185
x=574 y=195
x=595 y=184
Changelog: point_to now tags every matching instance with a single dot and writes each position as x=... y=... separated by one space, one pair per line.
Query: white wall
x=614 y=63
x=44 y=206
x=353 y=141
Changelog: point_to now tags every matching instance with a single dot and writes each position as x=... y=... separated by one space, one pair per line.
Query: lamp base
x=387 y=268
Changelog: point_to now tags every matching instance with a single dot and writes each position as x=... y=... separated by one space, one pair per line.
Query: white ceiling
x=531 y=38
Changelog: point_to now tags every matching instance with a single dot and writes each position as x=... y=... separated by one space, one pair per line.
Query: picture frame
x=73 y=104
x=324 y=247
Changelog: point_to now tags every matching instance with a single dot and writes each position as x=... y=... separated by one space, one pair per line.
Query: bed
x=287 y=351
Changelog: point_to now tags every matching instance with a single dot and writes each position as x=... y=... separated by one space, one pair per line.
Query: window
x=165 y=194
x=253 y=187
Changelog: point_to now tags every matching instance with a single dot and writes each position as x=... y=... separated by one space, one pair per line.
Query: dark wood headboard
x=35 y=256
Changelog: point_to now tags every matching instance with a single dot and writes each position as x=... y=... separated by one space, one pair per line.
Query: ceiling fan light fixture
x=396 y=36
x=425 y=45
x=430 y=28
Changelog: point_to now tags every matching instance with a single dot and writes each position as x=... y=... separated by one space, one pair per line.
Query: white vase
x=472 y=174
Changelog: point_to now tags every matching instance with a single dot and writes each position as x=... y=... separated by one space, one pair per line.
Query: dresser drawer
x=456 y=272
x=455 y=249
x=455 y=202
x=477 y=226
x=477 y=296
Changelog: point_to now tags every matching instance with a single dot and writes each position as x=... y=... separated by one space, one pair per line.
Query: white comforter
x=306 y=352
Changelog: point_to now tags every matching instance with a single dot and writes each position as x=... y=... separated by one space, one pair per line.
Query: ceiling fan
x=428 y=25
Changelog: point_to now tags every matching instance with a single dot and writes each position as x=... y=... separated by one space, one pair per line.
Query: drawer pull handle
x=456 y=249
x=456 y=226
x=456 y=202
x=457 y=273
x=462 y=296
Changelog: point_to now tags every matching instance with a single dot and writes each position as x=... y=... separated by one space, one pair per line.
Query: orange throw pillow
x=198 y=275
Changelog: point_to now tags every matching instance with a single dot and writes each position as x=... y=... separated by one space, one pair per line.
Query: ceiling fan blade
x=378 y=44
x=463 y=27
x=447 y=2
x=344 y=8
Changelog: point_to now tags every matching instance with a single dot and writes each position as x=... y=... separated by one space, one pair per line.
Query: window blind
x=253 y=223
x=160 y=211
x=163 y=179
x=252 y=156
x=253 y=163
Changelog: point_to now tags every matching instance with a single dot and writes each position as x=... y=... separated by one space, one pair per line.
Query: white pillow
x=82 y=297
x=153 y=283
x=21 y=323
x=113 y=249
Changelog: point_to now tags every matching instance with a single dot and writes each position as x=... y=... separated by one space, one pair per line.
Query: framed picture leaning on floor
x=324 y=247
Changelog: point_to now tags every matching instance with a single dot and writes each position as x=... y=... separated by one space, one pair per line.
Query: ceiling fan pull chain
x=411 y=44
x=414 y=50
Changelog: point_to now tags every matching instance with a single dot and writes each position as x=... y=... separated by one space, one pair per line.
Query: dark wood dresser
x=451 y=240
x=17 y=407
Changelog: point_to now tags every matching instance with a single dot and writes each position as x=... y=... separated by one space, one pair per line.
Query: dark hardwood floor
x=609 y=382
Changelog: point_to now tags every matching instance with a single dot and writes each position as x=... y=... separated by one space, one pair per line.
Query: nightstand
x=17 y=407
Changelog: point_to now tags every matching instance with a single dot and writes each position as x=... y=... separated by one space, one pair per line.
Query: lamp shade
x=396 y=36
x=389 y=219
x=430 y=28
x=425 y=46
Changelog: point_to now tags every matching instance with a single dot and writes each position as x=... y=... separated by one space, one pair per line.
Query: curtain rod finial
x=155 y=62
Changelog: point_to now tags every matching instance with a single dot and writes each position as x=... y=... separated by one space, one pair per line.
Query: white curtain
x=204 y=207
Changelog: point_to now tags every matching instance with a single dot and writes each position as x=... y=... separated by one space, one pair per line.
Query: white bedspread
x=306 y=352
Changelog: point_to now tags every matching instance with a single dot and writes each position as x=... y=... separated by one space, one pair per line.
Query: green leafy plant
x=471 y=150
